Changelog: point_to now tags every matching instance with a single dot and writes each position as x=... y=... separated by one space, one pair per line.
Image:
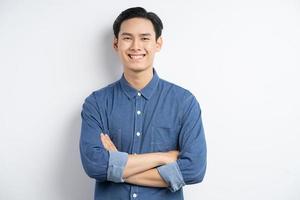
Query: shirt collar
x=147 y=91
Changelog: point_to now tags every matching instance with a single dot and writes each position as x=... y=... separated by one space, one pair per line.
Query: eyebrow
x=142 y=34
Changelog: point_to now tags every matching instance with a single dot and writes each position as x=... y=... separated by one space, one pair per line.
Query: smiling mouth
x=136 y=56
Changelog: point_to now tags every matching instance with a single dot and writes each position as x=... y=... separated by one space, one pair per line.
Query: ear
x=159 y=43
x=115 y=43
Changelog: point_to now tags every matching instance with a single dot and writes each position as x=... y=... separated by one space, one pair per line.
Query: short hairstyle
x=138 y=12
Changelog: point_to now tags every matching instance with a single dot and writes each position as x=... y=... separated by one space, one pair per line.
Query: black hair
x=140 y=13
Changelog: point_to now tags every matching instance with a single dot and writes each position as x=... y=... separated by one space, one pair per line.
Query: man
x=142 y=137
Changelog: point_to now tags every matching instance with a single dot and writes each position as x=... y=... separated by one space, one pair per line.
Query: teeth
x=136 y=57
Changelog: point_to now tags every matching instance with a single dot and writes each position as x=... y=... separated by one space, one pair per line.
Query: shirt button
x=138 y=133
x=138 y=112
x=134 y=195
x=139 y=94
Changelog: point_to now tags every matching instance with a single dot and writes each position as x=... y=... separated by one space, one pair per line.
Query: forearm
x=136 y=163
x=142 y=162
x=150 y=178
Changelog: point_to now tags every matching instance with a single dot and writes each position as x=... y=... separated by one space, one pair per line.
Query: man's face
x=136 y=44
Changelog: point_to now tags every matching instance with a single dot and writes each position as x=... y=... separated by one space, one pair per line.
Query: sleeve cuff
x=116 y=165
x=172 y=175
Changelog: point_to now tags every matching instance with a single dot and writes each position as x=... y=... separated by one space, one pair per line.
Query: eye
x=145 y=38
x=126 y=38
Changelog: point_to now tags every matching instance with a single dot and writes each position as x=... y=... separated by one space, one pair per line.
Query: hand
x=107 y=143
x=171 y=156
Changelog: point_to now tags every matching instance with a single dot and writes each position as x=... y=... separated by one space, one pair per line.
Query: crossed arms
x=140 y=169
x=158 y=169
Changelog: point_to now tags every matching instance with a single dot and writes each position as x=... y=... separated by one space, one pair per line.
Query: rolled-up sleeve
x=172 y=176
x=93 y=155
x=191 y=165
x=117 y=162
x=97 y=162
x=192 y=144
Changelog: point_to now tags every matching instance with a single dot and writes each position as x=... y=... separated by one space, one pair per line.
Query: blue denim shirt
x=159 y=118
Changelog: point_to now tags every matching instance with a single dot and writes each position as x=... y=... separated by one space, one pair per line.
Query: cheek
x=151 y=51
x=121 y=55
x=122 y=51
x=151 y=48
x=122 y=46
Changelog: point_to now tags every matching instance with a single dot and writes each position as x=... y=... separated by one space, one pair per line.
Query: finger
x=107 y=137
x=110 y=143
x=103 y=140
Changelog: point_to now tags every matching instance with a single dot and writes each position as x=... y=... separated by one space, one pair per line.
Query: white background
x=239 y=58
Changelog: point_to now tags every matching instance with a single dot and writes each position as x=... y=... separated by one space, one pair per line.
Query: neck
x=138 y=80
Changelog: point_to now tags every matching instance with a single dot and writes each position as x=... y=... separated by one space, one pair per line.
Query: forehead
x=137 y=26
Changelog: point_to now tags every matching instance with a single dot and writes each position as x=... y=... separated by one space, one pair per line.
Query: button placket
x=137 y=135
x=138 y=123
x=139 y=113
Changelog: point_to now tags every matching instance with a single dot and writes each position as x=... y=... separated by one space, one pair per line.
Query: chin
x=138 y=68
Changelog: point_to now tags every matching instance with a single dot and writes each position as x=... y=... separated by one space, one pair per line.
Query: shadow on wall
x=110 y=64
x=72 y=182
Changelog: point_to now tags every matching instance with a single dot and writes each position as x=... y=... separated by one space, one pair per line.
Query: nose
x=136 y=45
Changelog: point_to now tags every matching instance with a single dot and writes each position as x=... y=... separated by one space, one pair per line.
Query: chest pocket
x=164 y=138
